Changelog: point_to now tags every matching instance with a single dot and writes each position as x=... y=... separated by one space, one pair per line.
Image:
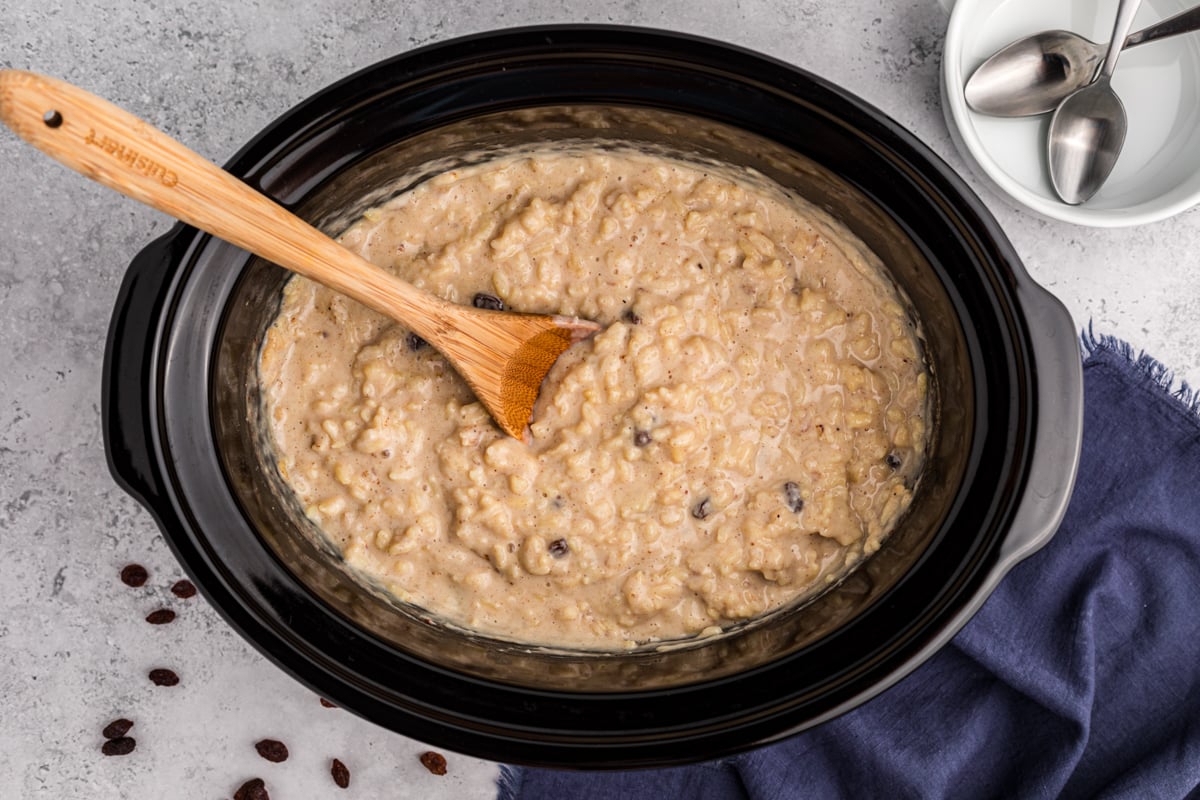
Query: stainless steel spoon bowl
x=1088 y=128
x=1034 y=74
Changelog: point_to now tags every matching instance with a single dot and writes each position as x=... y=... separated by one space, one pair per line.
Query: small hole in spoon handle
x=52 y=118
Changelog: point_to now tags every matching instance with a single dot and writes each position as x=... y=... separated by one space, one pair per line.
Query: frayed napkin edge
x=1158 y=373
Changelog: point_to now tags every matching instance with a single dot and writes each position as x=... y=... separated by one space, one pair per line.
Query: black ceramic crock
x=183 y=420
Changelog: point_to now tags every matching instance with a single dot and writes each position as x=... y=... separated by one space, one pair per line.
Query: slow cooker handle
x=128 y=406
x=1059 y=433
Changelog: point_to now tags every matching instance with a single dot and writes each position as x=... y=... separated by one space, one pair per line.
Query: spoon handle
x=115 y=148
x=1126 y=11
x=1183 y=22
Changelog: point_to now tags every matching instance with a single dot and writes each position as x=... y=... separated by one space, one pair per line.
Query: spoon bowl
x=1033 y=75
x=1086 y=136
x=1036 y=73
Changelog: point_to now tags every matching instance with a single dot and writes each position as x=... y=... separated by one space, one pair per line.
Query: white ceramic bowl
x=1158 y=173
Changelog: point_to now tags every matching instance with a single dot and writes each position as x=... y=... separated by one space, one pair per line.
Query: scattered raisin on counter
x=558 y=548
x=134 y=575
x=488 y=301
x=341 y=775
x=121 y=746
x=791 y=495
x=183 y=589
x=253 y=789
x=702 y=509
x=272 y=750
x=434 y=762
x=117 y=728
x=163 y=677
x=160 y=617
x=326 y=703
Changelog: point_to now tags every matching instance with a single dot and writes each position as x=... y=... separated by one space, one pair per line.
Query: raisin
x=164 y=677
x=791 y=495
x=160 y=617
x=488 y=301
x=134 y=575
x=641 y=438
x=559 y=548
x=272 y=750
x=631 y=317
x=117 y=728
x=702 y=509
x=415 y=342
x=183 y=589
x=253 y=789
x=434 y=762
x=892 y=460
x=326 y=703
x=121 y=746
x=341 y=775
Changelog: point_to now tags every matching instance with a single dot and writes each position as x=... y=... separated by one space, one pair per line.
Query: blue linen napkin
x=1079 y=677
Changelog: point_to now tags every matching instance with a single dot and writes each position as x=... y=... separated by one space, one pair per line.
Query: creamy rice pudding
x=746 y=428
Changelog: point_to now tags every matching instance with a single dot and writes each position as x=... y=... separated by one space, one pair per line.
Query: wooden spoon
x=503 y=356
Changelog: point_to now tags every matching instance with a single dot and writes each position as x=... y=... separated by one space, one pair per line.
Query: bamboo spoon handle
x=115 y=148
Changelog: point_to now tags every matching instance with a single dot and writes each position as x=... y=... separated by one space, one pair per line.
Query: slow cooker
x=184 y=434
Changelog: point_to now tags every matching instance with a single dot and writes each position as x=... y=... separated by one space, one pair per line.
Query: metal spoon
x=1088 y=128
x=1033 y=75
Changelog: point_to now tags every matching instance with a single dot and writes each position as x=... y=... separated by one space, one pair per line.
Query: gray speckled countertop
x=74 y=650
